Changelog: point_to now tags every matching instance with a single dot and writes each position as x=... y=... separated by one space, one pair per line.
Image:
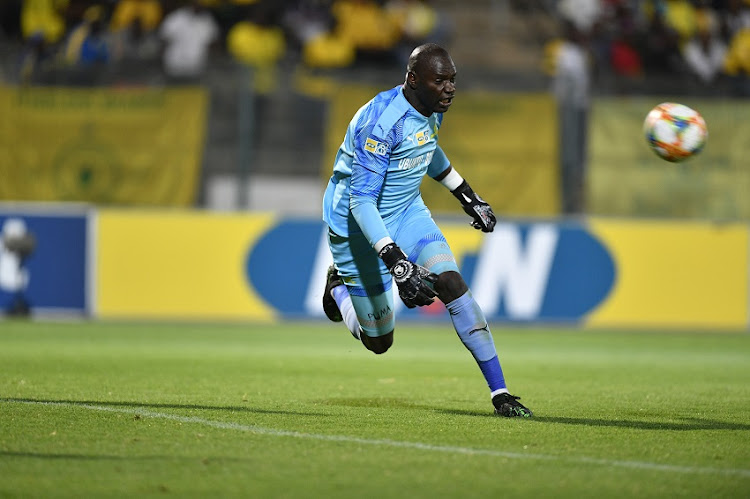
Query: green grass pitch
x=294 y=410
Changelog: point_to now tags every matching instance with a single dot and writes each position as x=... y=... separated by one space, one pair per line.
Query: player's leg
x=425 y=244
x=471 y=326
x=359 y=287
x=375 y=313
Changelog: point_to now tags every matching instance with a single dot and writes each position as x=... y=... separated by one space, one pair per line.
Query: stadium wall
x=187 y=265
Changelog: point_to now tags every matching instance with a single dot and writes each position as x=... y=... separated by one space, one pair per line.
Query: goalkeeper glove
x=475 y=207
x=410 y=278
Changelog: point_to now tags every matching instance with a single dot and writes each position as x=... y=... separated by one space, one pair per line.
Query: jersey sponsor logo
x=421 y=160
x=375 y=147
x=422 y=137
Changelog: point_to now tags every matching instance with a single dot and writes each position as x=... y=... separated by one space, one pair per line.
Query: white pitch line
x=259 y=430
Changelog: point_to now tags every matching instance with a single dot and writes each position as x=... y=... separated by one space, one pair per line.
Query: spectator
x=311 y=25
x=134 y=37
x=87 y=44
x=737 y=64
x=660 y=49
x=308 y=19
x=45 y=17
x=134 y=43
x=623 y=56
x=735 y=17
x=705 y=53
x=37 y=59
x=571 y=88
x=681 y=16
x=16 y=245
x=367 y=26
x=258 y=43
x=188 y=34
x=418 y=22
x=582 y=14
x=256 y=40
x=126 y=12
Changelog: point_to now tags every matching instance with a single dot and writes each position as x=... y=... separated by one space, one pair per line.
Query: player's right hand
x=411 y=279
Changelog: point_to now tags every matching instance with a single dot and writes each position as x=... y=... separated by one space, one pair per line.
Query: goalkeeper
x=380 y=230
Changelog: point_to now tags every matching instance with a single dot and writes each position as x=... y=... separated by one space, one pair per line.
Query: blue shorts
x=366 y=276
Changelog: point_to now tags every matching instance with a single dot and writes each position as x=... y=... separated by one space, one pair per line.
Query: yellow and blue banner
x=599 y=273
x=187 y=265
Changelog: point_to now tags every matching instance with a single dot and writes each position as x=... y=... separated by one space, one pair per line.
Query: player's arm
x=370 y=164
x=474 y=206
x=367 y=180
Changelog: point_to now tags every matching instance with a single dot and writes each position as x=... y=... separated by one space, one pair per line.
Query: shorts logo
x=375 y=147
x=422 y=137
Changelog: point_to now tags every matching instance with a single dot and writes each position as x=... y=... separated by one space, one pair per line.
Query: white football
x=674 y=131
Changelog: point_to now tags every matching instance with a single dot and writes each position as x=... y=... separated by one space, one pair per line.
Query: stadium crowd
x=698 y=43
x=79 y=36
x=624 y=40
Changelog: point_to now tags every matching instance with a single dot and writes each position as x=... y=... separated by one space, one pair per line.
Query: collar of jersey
x=407 y=105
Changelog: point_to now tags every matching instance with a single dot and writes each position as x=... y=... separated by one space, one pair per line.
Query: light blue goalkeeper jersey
x=388 y=148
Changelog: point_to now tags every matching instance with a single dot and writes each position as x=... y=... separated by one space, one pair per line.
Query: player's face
x=436 y=85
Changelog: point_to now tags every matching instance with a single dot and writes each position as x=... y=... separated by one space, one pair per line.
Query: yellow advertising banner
x=179 y=265
x=672 y=274
x=505 y=145
x=627 y=179
x=128 y=146
x=623 y=273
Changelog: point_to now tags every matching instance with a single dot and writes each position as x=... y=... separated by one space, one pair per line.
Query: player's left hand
x=475 y=207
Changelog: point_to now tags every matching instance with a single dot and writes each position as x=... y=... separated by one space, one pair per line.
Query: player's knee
x=450 y=285
x=378 y=344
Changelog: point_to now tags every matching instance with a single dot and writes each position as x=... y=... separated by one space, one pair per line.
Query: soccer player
x=380 y=231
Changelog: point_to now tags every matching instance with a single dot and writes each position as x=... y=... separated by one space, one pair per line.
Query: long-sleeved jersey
x=388 y=148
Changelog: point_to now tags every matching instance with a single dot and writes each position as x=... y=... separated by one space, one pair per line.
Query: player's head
x=430 y=79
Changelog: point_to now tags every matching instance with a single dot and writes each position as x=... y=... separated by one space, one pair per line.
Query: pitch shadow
x=109 y=457
x=685 y=424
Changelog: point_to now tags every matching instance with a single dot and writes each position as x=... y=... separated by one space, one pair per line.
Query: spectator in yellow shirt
x=148 y=12
x=259 y=43
x=367 y=26
x=43 y=17
x=737 y=62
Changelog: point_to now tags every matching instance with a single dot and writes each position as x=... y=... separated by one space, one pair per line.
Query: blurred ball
x=675 y=132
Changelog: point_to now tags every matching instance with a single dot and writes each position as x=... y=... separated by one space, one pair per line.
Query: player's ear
x=411 y=79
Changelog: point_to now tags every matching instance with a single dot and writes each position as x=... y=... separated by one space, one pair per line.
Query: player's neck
x=412 y=99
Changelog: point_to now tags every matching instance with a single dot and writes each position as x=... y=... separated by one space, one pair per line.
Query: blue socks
x=471 y=326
